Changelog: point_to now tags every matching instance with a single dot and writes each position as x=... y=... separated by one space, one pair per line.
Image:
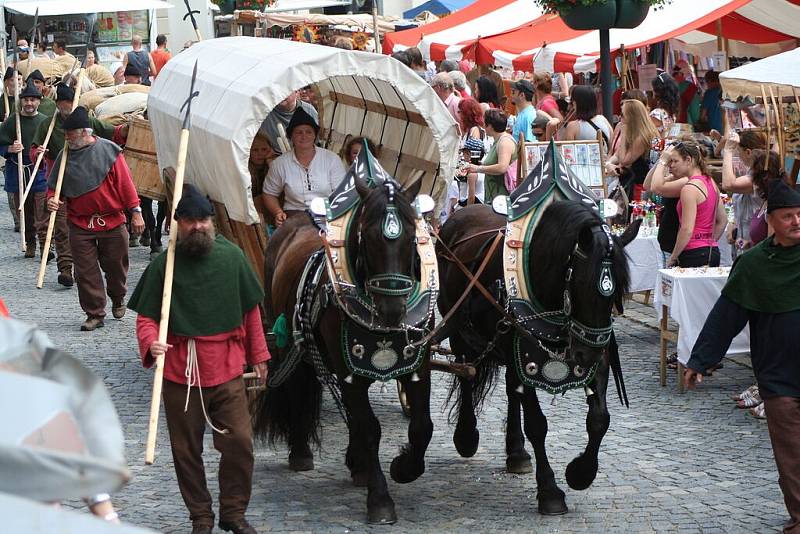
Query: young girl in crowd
x=667 y=103
x=631 y=157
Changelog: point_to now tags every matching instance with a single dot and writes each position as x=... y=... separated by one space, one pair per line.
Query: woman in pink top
x=543 y=84
x=700 y=210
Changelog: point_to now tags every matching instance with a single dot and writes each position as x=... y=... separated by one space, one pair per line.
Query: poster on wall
x=113 y=26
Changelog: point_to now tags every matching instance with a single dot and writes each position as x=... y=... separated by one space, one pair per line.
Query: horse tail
x=481 y=385
x=290 y=412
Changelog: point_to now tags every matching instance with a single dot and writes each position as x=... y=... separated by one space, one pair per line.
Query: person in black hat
x=47 y=106
x=763 y=289
x=282 y=114
x=64 y=97
x=8 y=88
x=98 y=191
x=308 y=171
x=214 y=317
x=10 y=147
x=522 y=97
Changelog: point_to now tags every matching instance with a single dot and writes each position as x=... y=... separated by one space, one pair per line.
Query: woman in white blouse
x=308 y=171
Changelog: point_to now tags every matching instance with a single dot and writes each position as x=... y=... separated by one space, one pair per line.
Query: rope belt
x=192 y=375
x=96 y=219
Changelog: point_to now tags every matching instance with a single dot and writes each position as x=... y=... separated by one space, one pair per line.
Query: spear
x=30 y=39
x=166 y=298
x=190 y=15
x=20 y=166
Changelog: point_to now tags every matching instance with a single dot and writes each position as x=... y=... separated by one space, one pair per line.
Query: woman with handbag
x=499 y=165
x=473 y=141
x=631 y=158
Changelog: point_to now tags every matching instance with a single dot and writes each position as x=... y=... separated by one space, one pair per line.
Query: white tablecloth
x=690 y=295
x=645 y=259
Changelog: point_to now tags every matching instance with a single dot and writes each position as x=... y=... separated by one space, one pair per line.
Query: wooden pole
x=377 y=33
x=20 y=165
x=778 y=123
x=59 y=181
x=766 y=113
x=166 y=301
x=3 y=68
x=40 y=157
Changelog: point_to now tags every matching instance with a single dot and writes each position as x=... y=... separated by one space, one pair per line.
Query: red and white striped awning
x=544 y=42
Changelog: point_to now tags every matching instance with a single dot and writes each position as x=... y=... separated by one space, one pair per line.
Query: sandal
x=750 y=402
x=672 y=361
x=746 y=393
x=758 y=412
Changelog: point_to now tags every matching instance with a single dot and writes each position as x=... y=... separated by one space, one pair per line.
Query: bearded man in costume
x=764 y=290
x=215 y=330
x=99 y=190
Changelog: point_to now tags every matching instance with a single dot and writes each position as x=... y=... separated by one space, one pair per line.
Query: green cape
x=209 y=295
x=766 y=279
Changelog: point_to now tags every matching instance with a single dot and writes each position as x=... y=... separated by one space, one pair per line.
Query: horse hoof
x=519 y=464
x=552 y=502
x=581 y=472
x=382 y=515
x=466 y=442
x=360 y=480
x=301 y=463
x=404 y=470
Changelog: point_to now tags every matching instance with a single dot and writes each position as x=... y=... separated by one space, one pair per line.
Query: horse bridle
x=588 y=335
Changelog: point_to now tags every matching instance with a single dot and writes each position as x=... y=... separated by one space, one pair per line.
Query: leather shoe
x=201 y=529
x=92 y=323
x=118 y=309
x=30 y=251
x=65 y=279
x=240 y=526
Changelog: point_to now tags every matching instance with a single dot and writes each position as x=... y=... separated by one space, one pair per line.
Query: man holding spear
x=11 y=147
x=99 y=190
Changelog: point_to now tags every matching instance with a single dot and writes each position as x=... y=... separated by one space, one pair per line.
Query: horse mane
x=554 y=241
x=374 y=205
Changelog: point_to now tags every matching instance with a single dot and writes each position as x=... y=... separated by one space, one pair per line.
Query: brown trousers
x=226 y=405
x=94 y=251
x=61 y=239
x=783 y=421
x=36 y=217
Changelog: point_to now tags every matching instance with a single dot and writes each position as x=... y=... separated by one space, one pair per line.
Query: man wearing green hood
x=764 y=290
x=215 y=330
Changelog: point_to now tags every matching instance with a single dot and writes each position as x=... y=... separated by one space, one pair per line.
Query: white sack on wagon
x=122 y=105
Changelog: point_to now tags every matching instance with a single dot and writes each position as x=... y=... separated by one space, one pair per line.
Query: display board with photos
x=585 y=158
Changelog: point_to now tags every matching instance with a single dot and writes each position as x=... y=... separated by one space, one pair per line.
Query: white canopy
x=70 y=7
x=302 y=5
x=780 y=70
x=240 y=80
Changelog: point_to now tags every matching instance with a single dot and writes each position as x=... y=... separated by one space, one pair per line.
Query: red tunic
x=107 y=203
x=220 y=357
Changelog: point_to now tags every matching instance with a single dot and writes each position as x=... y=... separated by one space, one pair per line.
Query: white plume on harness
x=192 y=375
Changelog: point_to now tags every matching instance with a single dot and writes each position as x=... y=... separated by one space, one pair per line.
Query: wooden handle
x=20 y=165
x=59 y=181
x=166 y=301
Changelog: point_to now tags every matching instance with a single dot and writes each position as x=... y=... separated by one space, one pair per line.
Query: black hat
x=130 y=70
x=781 y=195
x=524 y=86
x=9 y=73
x=193 y=204
x=30 y=91
x=300 y=117
x=77 y=119
x=35 y=75
x=64 y=92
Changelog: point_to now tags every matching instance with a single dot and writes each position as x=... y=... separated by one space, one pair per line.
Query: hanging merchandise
x=306 y=33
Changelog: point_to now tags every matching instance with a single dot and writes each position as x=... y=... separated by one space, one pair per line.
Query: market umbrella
x=61 y=437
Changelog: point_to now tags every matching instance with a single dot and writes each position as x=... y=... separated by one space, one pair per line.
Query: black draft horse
x=567 y=236
x=291 y=411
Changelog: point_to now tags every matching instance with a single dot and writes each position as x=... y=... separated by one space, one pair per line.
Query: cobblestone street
x=670 y=463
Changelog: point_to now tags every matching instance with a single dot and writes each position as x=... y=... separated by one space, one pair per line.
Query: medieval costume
x=48 y=106
x=99 y=191
x=764 y=290
x=8 y=75
x=215 y=329
x=54 y=146
x=35 y=210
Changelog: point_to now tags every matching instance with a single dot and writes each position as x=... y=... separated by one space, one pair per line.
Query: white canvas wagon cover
x=240 y=80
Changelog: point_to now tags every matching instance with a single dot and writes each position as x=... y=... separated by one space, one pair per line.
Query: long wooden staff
x=778 y=122
x=20 y=166
x=190 y=15
x=31 y=41
x=166 y=298
x=59 y=181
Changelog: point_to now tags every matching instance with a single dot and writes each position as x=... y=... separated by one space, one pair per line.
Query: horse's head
x=387 y=246
x=578 y=266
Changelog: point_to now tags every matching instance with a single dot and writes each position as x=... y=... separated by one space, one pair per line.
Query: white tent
x=779 y=71
x=240 y=80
